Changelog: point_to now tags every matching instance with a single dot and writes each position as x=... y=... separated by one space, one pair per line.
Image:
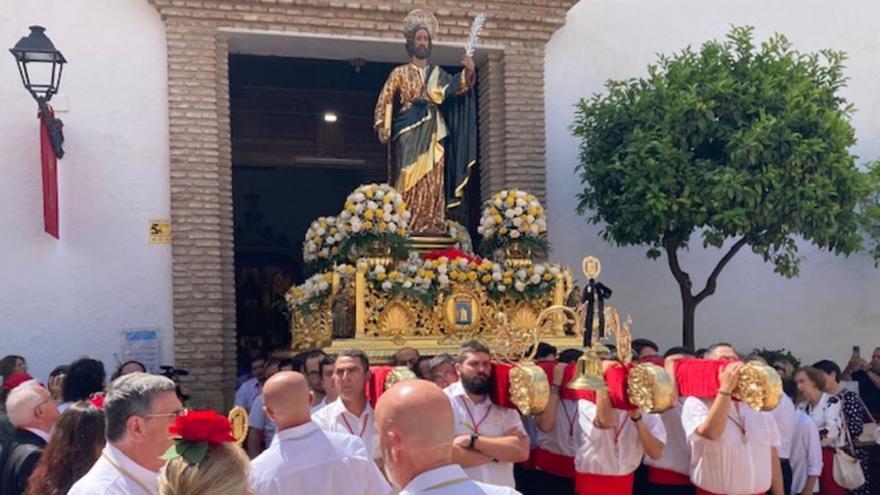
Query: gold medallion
x=463 y=312
x=238 y=418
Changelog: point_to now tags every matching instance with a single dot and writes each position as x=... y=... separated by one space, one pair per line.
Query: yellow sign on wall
x=160 y=231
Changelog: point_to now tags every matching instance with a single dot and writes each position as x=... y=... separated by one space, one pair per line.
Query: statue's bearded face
x=420 y=44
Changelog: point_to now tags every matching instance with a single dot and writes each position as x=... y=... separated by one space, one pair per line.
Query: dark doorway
x=302 y=140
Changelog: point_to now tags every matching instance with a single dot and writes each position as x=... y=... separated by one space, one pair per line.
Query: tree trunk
x=689 y=300
x=688 y=311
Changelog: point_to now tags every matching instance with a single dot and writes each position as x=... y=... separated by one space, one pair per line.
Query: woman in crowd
x=824 y=410
x=84 y=378
x=129 y=367
x=73 y=448
x=221 y=470
x=12 y=364
x=854 y=412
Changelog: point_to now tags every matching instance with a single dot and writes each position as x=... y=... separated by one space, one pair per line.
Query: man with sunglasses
x=138 y=409
x=33 y=413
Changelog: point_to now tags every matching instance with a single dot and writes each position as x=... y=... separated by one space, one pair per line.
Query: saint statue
x=428 y=119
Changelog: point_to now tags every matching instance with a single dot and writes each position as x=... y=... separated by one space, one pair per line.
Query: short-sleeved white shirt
x=335 y=417
x=615 y=451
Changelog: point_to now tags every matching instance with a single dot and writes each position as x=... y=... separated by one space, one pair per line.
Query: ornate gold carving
x=529 y=389
x=397 y=321
x=315 y=329
x=238 y=418
x=398 y=374
x=592 y=267
x=517 y=256
x=759 y=386
x=650 y=388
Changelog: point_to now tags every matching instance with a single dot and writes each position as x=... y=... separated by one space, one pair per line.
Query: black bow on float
x=594 y=295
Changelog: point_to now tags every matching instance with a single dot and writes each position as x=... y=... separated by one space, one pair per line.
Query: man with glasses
x=442 y=370
x=33 y=413
x=351 y=413
x=311 y=368
x=138 y=409
x=328 y=365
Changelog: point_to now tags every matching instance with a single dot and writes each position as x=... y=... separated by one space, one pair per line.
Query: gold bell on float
x=589 y=372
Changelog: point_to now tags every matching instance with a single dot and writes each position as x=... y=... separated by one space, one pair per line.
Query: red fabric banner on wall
x=49 y=163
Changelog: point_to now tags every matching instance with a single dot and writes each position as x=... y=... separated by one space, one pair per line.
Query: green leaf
x=196 y=452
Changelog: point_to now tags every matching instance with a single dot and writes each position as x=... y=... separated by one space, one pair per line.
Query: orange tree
x=737 y=144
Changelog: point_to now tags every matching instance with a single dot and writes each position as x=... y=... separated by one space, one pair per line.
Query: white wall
x=61 y=299
x=833 y=305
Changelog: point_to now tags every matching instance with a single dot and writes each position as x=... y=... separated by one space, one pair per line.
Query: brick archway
x=511 y=147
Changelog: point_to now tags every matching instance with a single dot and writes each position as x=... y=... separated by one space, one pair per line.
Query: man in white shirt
x=251 y=388
x=328 y=365
x=414 y=419
x=557 y=435
x=669 y=475
x=304 y=458
x=351 y=412
x=612 y=443
x=785 y=418
x=806 y=455
x=488 y=438
x=311 y=368
x=733 y=448
x=138 y=410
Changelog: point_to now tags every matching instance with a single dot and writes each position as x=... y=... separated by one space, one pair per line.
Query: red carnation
x=202 y=426
x=97 y=400
x=451 y=254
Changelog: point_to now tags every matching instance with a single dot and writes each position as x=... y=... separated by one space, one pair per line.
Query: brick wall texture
x=511 y=126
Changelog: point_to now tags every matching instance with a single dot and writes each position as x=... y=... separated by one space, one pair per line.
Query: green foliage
x=774 y=355
x=734 y=141
x=537 y=244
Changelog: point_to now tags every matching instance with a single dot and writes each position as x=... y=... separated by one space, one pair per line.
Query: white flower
x=514 y=234
x=358 y=196
x=408 y=284
x=521 y=273
x=540 y=269
x=386 y=285
x=496 y=276
x=443 y=268
x=535 y=279
x=520 y=194
x=443 y=279
x=323 y=285
x=518 y=211
x=501 y=287
x=520 y=286
x=517 y=222
x=509 y=214
x=372 y=205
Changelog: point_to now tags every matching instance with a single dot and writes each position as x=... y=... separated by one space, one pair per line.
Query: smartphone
x=856 y=351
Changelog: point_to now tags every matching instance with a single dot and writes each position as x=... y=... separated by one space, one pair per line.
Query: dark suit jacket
x=19 y=459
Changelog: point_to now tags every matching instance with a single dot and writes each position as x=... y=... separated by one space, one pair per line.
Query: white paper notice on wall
x=141 y=345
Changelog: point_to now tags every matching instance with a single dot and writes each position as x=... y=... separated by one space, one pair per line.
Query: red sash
x=700 y=491
x=660 y=476
x=601 y=484
x=529 y=464
x=827 y=485
x=555 y=464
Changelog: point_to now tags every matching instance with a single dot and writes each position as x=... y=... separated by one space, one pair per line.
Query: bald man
x=417 y=458
x=303 y=458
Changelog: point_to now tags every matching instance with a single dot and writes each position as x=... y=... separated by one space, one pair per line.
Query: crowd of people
x=313 y=429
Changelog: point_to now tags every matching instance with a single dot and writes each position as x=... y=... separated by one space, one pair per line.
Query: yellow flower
x=381 y=277
x=334 y=251
x=498 y=218
x=386 y=199
x=548 y=277
x=486 y=279
x=368 y=214
x=428 y=275
x=510 y=201
x=350 y=208
x=382 y=225
x=401 y=231
x=507 y=280
x=472 y=276
x=393 y=275
x=369 y=193
x=502 y=230
x=368 y=225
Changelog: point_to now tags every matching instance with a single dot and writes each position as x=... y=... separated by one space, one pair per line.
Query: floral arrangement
x=315 y=289
x=425 y=279
x=194 y=432
x=461 y=236
x=374 y=213
x=321 y=245
x=513 y=217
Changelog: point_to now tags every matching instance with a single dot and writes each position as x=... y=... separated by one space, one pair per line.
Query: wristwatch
x=555 y=388
x=637 y=419
x=473 y=443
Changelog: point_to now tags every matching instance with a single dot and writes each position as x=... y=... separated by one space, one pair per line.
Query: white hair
x=22 y=402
